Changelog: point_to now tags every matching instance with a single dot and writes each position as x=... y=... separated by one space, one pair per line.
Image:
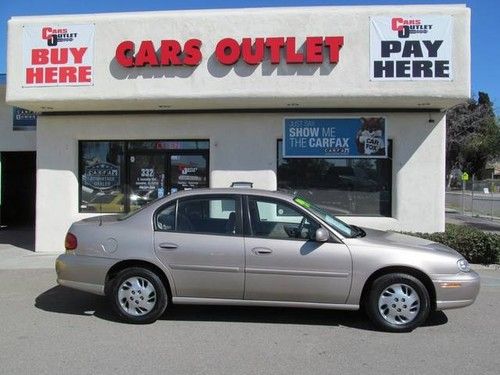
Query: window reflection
x=342 y=186
x=122 y=176
x=102 y=176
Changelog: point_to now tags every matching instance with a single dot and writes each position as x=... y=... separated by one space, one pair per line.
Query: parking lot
x=47 y=329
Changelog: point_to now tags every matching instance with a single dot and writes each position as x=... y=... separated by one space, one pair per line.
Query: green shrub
x=475 y=245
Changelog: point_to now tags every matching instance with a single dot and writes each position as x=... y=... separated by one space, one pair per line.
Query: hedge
x=475 y=245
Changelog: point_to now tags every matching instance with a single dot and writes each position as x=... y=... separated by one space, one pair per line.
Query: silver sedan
x=251 y=247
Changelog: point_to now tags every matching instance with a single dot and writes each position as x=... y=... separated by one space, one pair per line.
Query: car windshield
x=345 y=229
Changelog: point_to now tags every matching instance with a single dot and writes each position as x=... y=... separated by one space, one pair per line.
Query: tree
x=473 y=135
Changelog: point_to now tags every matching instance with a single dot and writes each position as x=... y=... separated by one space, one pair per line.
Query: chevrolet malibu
x=258 y=248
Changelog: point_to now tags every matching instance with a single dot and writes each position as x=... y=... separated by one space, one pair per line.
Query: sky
x=485 y=15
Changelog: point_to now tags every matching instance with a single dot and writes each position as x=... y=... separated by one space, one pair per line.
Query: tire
x=398 y=302
x=138 y=295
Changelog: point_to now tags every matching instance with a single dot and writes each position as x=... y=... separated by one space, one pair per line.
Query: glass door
x=188 y=171
x=155 y=174
x=146 y=178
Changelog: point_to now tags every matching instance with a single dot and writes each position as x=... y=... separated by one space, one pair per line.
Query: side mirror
x=321 y=235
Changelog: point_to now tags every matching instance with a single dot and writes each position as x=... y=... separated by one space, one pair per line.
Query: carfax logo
x=54 y=35
x=407 y=26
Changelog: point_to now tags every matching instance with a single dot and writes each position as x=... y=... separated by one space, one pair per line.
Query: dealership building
x=343 y=105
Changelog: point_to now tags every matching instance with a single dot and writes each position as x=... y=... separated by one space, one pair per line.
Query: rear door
x=283 y=263
x=200 y=240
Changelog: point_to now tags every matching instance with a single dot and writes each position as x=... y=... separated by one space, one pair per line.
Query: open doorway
x=18 y=189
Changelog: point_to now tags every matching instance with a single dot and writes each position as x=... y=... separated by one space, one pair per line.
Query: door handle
x=168 y=246
x=261 y=251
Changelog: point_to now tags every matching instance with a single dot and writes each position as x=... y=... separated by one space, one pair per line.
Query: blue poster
x=22 y=119
x=364 y=137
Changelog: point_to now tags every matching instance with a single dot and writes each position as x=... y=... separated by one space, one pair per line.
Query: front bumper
x=84 y=273
x=454 y=291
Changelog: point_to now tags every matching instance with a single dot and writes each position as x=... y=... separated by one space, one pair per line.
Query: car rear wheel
x=138 y=295
x=398 y=302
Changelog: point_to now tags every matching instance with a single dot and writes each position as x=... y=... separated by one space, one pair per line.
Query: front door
x=146 y=177
x=282 y=263
x=200 y=240
x=155 y=174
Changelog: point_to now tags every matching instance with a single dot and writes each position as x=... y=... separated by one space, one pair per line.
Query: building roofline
x=403 y=7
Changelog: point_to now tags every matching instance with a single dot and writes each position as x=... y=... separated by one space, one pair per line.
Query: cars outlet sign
x=229 y=51
x=401 y=48
x=58 y=55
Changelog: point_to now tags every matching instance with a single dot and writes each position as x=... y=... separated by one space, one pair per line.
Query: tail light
x=70 y=242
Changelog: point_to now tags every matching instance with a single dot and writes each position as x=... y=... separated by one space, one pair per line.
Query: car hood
x=378 y=238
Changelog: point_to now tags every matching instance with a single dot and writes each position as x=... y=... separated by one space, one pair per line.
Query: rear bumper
x=84 y=273
x=454 y=291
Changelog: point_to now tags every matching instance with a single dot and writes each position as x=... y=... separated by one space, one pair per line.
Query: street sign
x=465 y=176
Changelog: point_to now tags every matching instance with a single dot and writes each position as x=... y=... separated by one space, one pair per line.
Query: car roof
x=237 y=191
x=214 y=191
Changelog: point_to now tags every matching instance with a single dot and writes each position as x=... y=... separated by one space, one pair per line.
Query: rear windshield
x=132 y=213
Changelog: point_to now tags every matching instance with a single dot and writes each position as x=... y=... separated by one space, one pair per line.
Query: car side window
x=165 y=218
x=278 y=220
x=210 y=215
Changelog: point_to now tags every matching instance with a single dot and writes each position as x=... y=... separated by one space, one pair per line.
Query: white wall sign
x=58 y=55
x=411 y=48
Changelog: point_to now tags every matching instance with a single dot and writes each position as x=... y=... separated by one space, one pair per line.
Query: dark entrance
x=18 y=188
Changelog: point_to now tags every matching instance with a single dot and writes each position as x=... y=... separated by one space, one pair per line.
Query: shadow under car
x=68 y=301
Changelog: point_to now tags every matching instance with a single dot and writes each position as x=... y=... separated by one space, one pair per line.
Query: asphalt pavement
x=48 y=329
x=486 y=224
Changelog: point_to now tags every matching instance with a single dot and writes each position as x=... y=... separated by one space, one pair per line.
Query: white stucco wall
x=213 y=85
x=242 y=147
x=11 y=140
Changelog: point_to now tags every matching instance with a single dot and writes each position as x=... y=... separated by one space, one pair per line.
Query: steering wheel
x=300 y=227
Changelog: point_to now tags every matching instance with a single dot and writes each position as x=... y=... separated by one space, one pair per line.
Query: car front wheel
x=138 y=295
x=398 y=302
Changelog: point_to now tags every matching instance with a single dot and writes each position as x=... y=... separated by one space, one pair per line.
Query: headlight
x=463 y=265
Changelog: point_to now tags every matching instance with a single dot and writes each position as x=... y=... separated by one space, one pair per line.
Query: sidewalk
x=479 y=194
x=17 y=250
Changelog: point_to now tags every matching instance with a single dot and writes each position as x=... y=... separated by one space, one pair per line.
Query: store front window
x=342 y=186
x=122 y=176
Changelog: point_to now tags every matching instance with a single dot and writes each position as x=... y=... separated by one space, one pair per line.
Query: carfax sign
x=334 y=138
x=411 y=48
